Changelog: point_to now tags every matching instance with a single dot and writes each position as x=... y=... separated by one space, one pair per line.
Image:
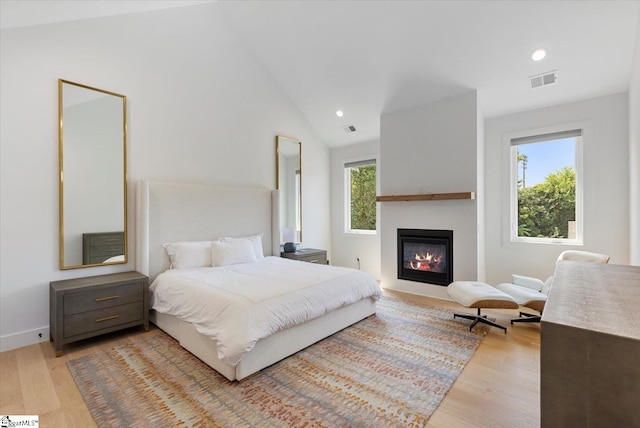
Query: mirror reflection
x=289 y=182
x=92 y=146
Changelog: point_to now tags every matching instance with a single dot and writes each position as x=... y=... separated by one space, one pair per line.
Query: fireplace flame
x=425 y=261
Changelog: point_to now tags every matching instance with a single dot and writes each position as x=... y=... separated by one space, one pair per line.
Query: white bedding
x=240 y=304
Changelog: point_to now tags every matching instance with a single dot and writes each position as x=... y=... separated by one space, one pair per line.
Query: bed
x=186 y=212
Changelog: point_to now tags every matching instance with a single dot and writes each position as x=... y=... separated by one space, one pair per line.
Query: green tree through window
x=545 y=210
x=545 y=186
x=361 y=182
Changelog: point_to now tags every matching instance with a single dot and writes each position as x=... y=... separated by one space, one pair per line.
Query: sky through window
x=546 y=158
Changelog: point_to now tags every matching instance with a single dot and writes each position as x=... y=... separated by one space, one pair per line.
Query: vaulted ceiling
x=371 y=57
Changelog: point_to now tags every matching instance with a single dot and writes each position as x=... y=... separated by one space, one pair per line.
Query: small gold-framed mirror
x=93 y=176
x=289 y=182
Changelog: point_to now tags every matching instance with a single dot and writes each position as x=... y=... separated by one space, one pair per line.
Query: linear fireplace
x=425 y=255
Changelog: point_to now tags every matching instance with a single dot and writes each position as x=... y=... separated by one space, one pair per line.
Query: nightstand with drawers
x=98 y=247
x=310 y=255
x=86 y=307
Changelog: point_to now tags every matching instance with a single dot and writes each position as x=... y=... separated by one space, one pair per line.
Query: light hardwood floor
x=499 y=387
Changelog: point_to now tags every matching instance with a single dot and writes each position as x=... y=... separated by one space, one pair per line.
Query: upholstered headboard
x=171 y=212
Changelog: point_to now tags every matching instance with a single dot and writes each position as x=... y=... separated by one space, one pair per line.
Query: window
x=546 y=202
x=360 y=196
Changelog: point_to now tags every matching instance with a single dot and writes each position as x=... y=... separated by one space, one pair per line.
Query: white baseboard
x=25 y=338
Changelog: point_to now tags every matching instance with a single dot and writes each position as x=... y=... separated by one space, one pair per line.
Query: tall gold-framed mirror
x=289 y=182
x=93 y=175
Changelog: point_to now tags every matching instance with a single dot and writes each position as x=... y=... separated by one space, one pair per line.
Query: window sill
x=360 y=233
x=547 y=241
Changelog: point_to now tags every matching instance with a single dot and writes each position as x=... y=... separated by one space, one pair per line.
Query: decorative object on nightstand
x=289 y=236
x=80 y=308
x=289 y=247
x=310 y=255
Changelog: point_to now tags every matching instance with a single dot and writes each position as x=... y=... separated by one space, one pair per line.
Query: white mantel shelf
x=426 y=197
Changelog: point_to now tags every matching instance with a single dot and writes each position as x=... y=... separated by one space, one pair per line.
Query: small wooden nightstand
x=86 y=307
x=98 y=247
x=310 y=255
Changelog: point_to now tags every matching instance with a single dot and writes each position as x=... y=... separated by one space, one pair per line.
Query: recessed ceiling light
x=339 y=113
x=538 y=54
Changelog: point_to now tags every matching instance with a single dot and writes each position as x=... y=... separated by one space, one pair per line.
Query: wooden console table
x=590 y=347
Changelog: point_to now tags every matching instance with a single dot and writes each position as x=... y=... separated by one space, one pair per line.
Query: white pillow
x=189 y=254
x=256 y=242
x=231 y=252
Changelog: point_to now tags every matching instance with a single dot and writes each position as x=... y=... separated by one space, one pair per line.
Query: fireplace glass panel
x=429 y=257
x=425 y=256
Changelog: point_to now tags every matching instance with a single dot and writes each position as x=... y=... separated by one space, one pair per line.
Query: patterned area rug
x=392 y=369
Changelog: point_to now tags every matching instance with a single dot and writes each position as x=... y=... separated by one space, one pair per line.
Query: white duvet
x=239 y=304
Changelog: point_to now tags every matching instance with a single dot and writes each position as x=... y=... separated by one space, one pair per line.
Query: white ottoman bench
x=474 y=294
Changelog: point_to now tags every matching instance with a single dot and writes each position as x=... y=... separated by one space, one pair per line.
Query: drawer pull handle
x=100 y=299
x=112 y=240
x=314 y=261
x=114 y=251
x=108 y=318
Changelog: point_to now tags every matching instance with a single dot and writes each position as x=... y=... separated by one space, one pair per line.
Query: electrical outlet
x=42 y=334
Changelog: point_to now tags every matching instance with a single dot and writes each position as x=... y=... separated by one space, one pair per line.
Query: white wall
x=634 y=154
x=606 y=186
x=201 y=108
x=434 y=147
x=346 y=248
